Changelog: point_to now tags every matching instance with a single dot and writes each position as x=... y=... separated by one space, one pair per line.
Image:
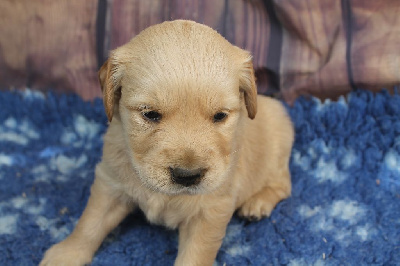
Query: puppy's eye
x=219 y=117
x=152 y=116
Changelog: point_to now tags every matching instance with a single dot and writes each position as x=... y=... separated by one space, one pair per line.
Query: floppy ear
x=110 y=79
x=247 y=84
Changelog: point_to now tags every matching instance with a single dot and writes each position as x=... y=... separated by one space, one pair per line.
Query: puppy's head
x=180 y=91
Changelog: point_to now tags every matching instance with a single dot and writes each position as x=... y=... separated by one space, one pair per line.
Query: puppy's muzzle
x=187 y=177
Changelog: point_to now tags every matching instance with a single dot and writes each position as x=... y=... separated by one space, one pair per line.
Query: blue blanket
x=345 y=207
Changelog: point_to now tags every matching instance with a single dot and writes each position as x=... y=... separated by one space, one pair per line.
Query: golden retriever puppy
x=183 y=144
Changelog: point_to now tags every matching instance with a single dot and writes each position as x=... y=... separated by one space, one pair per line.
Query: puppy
x=183 y=143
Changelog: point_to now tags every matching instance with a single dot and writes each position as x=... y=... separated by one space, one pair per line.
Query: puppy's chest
x=164 y=210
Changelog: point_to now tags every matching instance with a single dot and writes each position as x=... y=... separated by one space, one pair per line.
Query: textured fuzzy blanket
x=345 y=207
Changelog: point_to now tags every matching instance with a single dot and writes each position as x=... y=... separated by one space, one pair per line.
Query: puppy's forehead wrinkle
x=178 y=79
x=187 y=51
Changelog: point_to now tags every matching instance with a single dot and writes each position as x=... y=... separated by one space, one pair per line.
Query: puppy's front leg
x=201 y=237
x=103 y=213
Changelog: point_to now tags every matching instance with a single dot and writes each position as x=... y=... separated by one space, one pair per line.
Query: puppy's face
x=181 y=92
x=181 y=134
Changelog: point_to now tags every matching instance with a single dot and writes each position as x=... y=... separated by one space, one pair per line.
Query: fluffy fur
x=186 y=74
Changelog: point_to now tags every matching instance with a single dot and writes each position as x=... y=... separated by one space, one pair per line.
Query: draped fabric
x=315 y=47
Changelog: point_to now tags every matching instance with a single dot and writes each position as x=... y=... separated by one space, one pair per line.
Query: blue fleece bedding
x=345 y=207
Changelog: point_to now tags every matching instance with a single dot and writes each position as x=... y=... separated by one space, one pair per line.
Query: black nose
x=187 y=177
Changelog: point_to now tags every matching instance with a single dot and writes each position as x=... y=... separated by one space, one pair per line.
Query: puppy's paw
x=256 y=208
x=63 y=254
x=262 y=203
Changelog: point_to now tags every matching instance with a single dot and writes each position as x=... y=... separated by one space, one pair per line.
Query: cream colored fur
x=187 y=73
